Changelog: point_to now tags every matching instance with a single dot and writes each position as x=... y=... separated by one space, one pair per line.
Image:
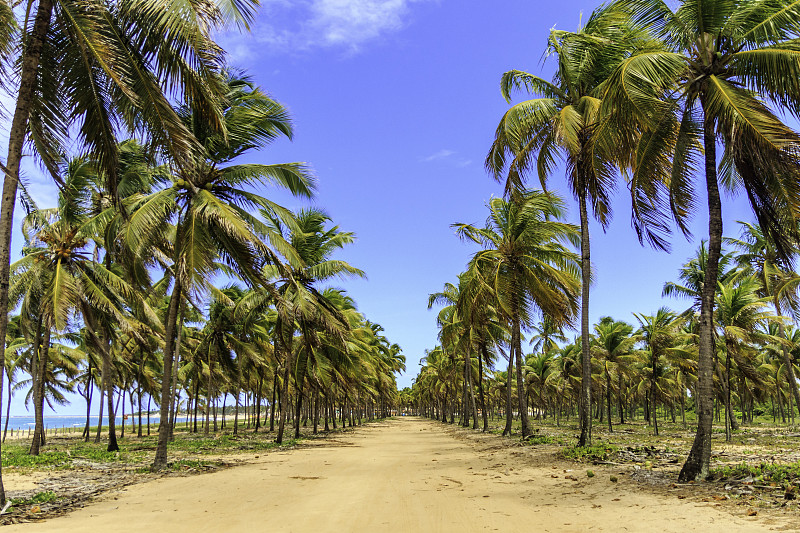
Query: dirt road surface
x=406 y=475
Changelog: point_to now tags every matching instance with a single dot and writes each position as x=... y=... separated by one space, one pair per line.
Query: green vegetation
x=596 y=452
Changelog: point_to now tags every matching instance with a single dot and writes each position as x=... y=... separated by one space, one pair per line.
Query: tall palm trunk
x=108 y=382
x=160 y=460
x=209 y=391
x=481 y=357
x=16 y=141
x=699 y=459
x=272 y=405
x=176 y=366
x=509 y=417
x=89 y=394
x=280 y=346
x=586 y=356
x=608 y=401
x=472 y=392
x=653 y=391
x=516 y=340
x=38 y=390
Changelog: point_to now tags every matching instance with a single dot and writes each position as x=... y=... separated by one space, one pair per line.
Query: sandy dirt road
x=406 y=475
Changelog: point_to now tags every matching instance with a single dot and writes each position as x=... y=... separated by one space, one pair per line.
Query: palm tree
x=613 y=347
x=70 y=280
x=726 y=63
x=208 y=204
x=526 y=264
x=109 y=67
x=568 y=117
x=739 y=314
x=778 y=283
x=659 y=333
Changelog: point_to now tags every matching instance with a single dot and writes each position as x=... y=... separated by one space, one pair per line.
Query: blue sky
x=395 y=103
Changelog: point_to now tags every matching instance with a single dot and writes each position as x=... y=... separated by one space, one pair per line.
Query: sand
x=404 y=475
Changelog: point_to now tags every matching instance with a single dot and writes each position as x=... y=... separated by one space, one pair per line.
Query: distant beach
x=67 y=421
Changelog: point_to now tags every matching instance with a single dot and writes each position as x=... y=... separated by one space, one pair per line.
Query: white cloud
x=441 y=154
x=450 y=156
x=306 y=24
x=353 y=22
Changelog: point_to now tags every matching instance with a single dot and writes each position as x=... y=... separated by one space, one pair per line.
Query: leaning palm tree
x=567 y=119
x=728 y=64
x=526 y=263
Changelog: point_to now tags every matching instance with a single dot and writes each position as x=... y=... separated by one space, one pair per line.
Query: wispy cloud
x=441 y=154
x=307 y=24
x=450 y=156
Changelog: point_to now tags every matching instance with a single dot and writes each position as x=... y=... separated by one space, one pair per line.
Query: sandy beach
x=403 y=475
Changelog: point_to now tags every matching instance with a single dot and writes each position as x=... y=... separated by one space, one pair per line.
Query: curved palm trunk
x=699 y=459
x=160 y=460
x=586 y=356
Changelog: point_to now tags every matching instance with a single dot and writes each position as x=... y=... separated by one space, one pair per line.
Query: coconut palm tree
x=780 y=284
x=526 y=263
x=566 y=118
x=739 y=316
x=659 y=333
x=727 y=66
x=613 y=347
x=208 y=204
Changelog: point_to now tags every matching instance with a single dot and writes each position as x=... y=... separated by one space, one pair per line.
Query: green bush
x=598 y=452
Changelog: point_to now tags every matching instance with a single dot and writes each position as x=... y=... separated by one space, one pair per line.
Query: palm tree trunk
x=608 y=401
x=108 y=382
x=16 y=141
x=89 y=394
x=100 y=412
x=8 y=409
x=279 y=343
x=176 y=367
x=160 y=460
x=516 y=339
x=39 y=388
x=472 y=394
x=272 y=405
x=507 y=429
x=699 y=459
x=35 y=365
x=586 y=356
x=481 y=356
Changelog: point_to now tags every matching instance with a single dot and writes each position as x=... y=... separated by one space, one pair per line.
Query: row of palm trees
x=644 y=368
x=86 y=278
x=651 y=92
x=115 y=288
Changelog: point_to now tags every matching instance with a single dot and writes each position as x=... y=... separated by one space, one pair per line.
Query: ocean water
x=68 y=421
